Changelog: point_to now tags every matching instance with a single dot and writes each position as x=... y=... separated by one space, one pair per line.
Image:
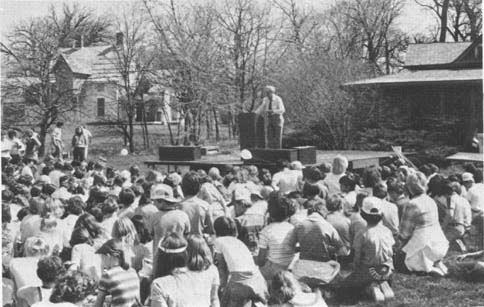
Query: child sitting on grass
x=372 y=263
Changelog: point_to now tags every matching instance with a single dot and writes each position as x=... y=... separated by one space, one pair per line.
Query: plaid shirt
x=419 y=213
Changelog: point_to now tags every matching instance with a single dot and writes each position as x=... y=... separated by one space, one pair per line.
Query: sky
x=414 y=19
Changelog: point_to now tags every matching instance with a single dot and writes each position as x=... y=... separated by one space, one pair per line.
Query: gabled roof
x=424 y=77
x=98 y=63
x=434 y=53
x=81 y=60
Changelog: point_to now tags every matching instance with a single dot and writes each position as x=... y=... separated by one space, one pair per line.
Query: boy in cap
x=373 y=262
x=168 y=219
x=249 y=223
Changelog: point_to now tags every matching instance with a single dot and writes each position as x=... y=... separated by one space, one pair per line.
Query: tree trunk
x=145 y=130
x=167 y=120
x=217 y=131
x=43 y=137
x=131 y=134
x=443 y=21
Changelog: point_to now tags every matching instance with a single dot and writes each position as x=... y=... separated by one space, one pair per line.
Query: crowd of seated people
x=84 y=233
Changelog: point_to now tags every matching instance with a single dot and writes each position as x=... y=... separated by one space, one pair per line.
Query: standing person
x=79 y=144
x=32 y=144
x=88 y=136
x=17 y=147
x=118 y=280
x=424 y=242
x=57 y=145
x=272 y=108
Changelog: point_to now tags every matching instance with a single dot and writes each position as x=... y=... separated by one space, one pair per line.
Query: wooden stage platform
x=358 y=160
x=467 y=157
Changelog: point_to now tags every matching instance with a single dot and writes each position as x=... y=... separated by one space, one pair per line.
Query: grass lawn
x=413 y=290
x=410 y=290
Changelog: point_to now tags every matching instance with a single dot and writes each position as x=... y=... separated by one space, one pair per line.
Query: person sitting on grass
x=48 y=270
x=240 y=279
x=373 y=252
x=286 y=291
x=73 y=289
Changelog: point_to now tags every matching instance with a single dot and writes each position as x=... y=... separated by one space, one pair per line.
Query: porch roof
x=424 y=77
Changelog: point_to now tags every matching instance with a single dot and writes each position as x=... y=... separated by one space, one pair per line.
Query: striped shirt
x=122 y=285
x=280 y=241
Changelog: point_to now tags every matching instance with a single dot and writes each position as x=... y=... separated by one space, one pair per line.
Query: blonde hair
x=36 y=247
x=340 y=164
x=123 y=229
x=53 y=206
x=48 y=221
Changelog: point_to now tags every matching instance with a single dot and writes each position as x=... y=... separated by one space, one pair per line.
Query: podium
x=255 y=132
x=247 y=130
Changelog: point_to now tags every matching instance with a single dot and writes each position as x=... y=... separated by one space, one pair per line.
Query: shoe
x=461 y=245
x=387 y=290
x=376 y=293
x=442 y=267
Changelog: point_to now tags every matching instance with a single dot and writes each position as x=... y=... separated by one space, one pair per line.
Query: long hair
x=199 y=255
x=88 y=222
x=124 y=230
x=168 y=258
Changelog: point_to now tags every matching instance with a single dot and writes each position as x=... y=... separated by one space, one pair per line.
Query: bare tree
x=250 y=31
x=461 y=19
x=191 y=54
x=301 y=22
x=133 y=63
x=30 y=52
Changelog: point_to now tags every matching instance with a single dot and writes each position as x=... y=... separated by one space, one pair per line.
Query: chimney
x=82 y=41
x=119 y=39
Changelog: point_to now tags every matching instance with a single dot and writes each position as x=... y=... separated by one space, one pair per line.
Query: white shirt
x=86 y=260
x=277 y=105
x=332 y=182
x=236 y=254
x=286 y=181
x=475 y=196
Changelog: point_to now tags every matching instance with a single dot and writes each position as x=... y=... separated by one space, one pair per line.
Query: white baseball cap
x=372 y=205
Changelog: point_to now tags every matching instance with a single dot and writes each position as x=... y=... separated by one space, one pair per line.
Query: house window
x=100 y=107
x=100 y=87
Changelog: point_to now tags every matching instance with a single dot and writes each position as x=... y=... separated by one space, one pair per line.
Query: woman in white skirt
x=424 y=242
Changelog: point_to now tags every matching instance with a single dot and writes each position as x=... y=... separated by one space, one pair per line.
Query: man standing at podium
x=273 y=110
